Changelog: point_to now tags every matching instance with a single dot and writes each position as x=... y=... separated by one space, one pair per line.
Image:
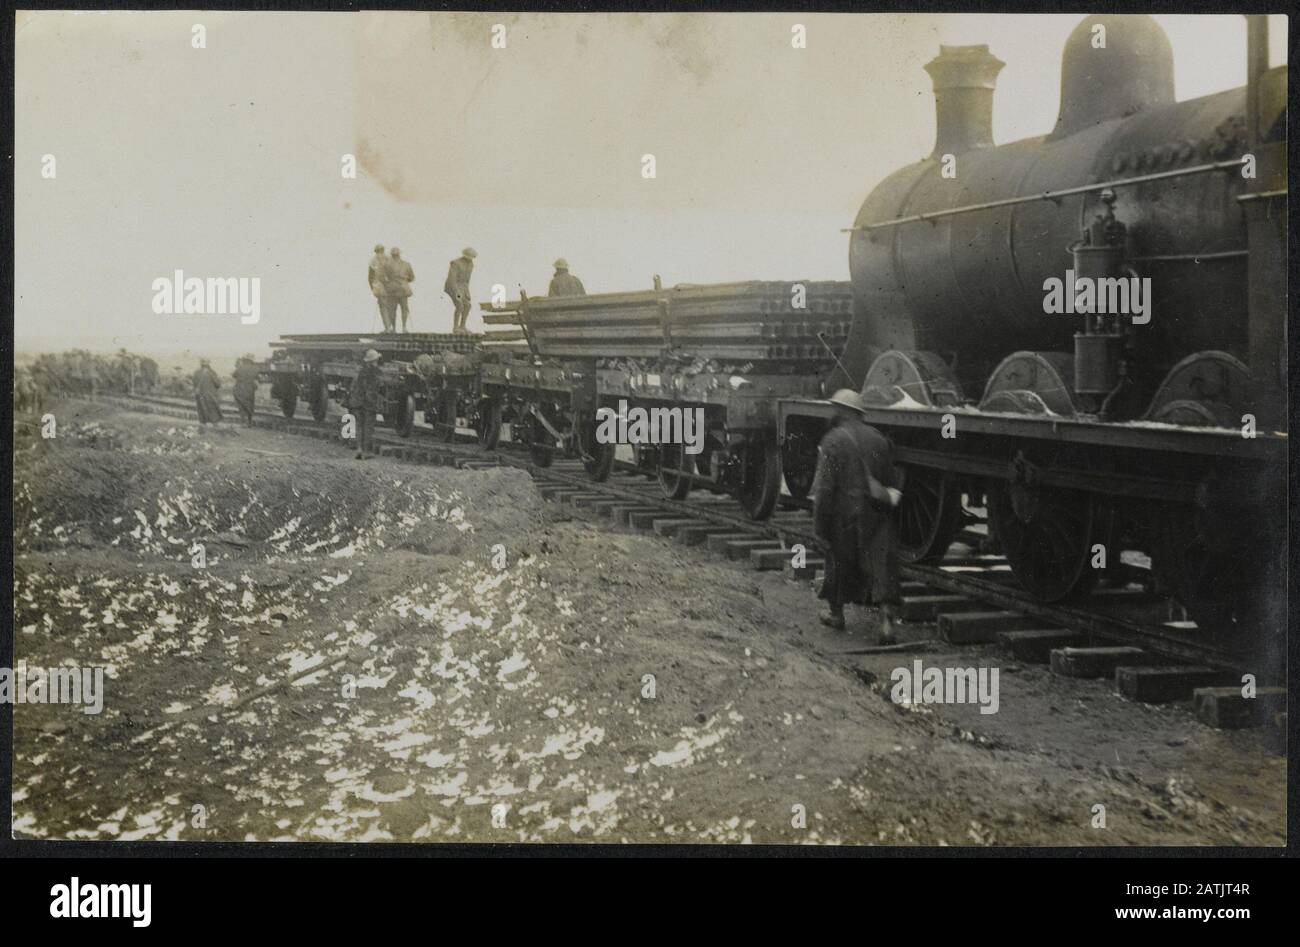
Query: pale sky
x=225 y=161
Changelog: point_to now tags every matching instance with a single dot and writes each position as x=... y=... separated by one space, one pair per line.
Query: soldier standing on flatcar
x=246 y=387
x=457 y=287
x=564 y=283
x=206 y=384
x=403 y=277
x=853 y=498
x=379 y=274
x=364 y=401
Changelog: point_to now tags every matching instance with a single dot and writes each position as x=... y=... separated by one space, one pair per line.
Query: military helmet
x=561 y=264
x=372 y=355
x=469 y=252
x=848 y=398
x=379 y=248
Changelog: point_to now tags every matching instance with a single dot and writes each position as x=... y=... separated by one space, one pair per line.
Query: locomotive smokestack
x=964 y=80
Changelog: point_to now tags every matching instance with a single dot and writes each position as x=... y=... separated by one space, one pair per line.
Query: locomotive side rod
x=1052 y=195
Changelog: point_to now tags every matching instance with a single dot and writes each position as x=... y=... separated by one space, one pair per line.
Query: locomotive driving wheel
x=922 y=377
x=1218 y=555
x=1032 y=383
x=1047 y=533
x=759 y=476
x=1219 y=558
x=672 y=459
x=929 y=515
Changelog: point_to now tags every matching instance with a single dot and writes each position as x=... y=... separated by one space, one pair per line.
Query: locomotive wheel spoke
x=929 y=516
x=1049 y=552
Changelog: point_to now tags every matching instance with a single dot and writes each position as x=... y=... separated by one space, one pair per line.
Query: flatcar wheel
x=489 y=424
x=760 y=476
x=447 y=417
x=540 y=451
x=597 y=458
x=1047 y=535
x=319 y=398
x=929 y=515
x=404 y=416
x=671 y=460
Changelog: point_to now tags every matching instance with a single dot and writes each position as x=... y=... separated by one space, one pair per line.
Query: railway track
x=972 y=598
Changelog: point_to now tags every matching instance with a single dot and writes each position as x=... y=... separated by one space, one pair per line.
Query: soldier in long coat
x=246 y=387
x=364 y=400
x=206 y=385
x=854 y=493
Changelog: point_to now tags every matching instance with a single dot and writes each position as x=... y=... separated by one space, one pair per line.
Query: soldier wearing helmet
x=381 y=278
x=206 y=385
x=364 y=400
x=564 y=283
x=457 y=287
x=854 y=493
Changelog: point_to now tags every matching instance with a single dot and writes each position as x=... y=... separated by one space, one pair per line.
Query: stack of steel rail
x=401 y=346
x=752 y=321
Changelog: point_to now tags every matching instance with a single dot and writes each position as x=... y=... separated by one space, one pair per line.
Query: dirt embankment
x=375 y=650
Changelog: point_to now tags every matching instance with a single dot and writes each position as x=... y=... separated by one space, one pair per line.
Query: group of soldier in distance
x=855 y=490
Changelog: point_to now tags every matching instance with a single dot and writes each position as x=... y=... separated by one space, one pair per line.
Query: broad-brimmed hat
x=848 y=398
x=372 y=356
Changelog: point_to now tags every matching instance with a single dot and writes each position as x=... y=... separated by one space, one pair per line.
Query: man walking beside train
x=364 y=401
x=403 y=277
x=457 y=287
x=854 y=495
